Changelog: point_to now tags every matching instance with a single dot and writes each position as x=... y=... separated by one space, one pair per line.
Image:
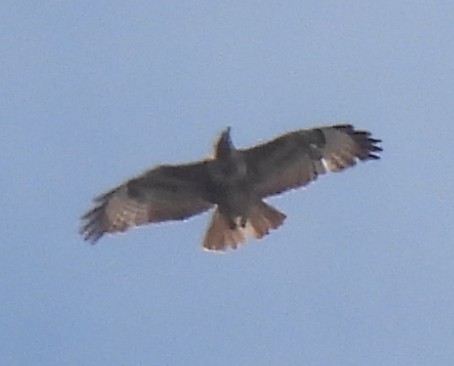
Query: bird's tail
x=262 y=218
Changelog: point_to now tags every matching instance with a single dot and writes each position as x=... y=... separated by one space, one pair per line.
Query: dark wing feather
x=297 y=158
x=168 y=192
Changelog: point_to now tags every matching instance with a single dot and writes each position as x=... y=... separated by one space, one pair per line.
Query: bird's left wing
x=297 y=158
x=167 y=192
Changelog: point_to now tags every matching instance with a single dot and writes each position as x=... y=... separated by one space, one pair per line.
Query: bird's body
x=232 y=191
x=235 y=181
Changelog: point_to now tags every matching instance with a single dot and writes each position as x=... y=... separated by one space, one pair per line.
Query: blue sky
x=361 y=273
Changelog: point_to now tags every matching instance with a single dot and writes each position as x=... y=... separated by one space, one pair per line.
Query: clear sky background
x=362 y=272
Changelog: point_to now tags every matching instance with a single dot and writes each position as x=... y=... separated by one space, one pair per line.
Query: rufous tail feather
x=261 y=219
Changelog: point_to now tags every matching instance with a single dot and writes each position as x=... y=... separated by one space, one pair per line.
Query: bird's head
x=224 y=145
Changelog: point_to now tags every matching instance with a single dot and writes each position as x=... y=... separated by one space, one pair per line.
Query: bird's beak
x=226 y=134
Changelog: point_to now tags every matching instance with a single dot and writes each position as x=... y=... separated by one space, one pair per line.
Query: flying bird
x=234 y=181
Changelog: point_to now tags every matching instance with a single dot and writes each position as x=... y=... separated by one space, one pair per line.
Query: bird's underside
x=234 y=182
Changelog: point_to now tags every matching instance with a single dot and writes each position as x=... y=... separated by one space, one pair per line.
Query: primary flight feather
x=235 y=181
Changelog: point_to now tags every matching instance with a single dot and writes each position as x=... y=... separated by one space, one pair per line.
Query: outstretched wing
x=168 y=192
x=297 y=158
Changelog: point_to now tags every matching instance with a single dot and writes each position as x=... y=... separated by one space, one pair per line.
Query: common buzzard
x=235 y=181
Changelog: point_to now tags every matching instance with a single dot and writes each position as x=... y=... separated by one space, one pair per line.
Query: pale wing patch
x=326 y=164
x=123 y=212
x=345 y=146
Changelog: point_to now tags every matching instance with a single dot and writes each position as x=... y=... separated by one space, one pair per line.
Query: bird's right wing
x=297 y=158
x=167 y=192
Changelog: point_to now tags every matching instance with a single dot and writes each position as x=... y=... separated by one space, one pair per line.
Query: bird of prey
x=234 y=181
